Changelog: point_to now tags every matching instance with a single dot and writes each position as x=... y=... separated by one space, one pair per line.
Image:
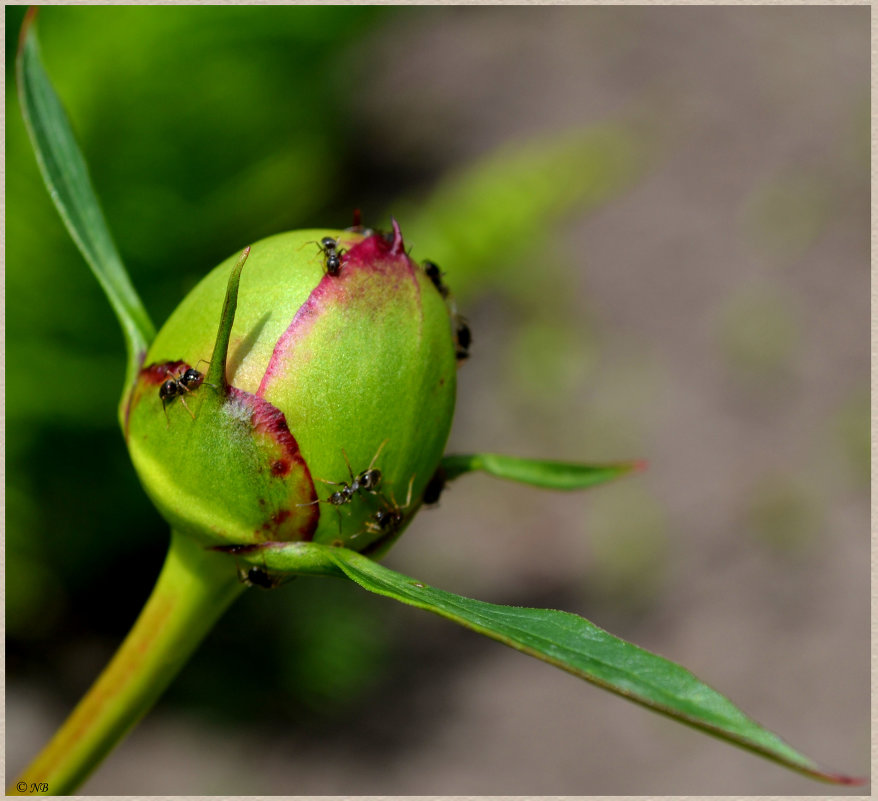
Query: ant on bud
x=462 y=338
x=331 y=254
x=435 y=275
x=366 y=481
x=258 y=577
x=177 y=386
x=387 y=521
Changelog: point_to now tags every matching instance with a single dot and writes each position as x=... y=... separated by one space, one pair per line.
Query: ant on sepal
x=257 y=577
x=331 y=254
x=435 y=275
x=177 y=386
x=462 y=338
x=366 y=481
x=389 y=519
x=462 y=335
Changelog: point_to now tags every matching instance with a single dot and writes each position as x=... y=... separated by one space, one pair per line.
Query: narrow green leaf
x=562 y=639
x=581 y=648
x=538 y=472
x=66 y=175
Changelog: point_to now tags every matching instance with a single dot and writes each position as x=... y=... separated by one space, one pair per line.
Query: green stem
x=195 y=587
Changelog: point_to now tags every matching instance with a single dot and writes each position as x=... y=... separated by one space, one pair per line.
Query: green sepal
x=538 y=472
x=220 y=463
x=224 y=468
x=368 y=365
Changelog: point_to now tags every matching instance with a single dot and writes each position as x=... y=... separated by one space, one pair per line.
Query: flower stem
x=195 y=587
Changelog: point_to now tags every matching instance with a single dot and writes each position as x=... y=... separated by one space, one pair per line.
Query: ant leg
x=408 y=498
x=311 y=503
x=206 y=383
x=375 y=457
x=183 y=401
x=334 y=483
x=348 y=463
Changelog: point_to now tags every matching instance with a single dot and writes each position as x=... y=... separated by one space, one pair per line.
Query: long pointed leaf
x=562 y=639
x=538 y=472
x=574 y=644
x=65 y=172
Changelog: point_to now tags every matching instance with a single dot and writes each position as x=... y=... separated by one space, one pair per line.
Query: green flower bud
x=326 y=415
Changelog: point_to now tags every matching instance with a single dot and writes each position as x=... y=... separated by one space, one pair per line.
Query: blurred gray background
x=710 y=314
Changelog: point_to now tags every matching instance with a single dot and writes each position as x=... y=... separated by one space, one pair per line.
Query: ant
x=178 y=385
x=463 y=338
x=257 y=577
x=435 y=275
x=331 y=254
x=365 y=481
x=388 y=520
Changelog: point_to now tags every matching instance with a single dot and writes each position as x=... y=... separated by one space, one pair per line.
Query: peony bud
x=325 y=409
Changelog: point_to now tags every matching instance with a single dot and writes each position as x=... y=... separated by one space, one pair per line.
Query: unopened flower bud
x=327 y=415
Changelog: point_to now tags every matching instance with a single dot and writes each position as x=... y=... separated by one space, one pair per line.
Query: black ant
x=388 y=520
x=462 y=337
x=331 y=254
x=365 y=481
x=435 y=275
x=257 y=577
x=178 y=385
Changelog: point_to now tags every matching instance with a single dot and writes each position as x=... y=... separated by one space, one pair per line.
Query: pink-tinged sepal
x=224 y=467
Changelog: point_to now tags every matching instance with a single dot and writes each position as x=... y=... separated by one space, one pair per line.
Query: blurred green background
x=656 y=221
